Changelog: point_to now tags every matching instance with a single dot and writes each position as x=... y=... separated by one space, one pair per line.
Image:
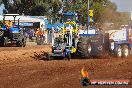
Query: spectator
x=39 y=35
x=31 y=33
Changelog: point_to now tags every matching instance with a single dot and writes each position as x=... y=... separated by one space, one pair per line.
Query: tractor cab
x=73 y=26
x=69 y=16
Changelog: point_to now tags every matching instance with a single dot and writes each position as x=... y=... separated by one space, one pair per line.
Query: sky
x=1 y=8
x=122 y=5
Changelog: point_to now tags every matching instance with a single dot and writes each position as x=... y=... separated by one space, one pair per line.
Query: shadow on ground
x=47 y=57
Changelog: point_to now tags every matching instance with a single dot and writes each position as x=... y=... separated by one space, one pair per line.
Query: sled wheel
x=125 y=51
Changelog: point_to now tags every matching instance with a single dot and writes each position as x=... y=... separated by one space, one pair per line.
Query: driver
x=9 y=24
x=66 y=36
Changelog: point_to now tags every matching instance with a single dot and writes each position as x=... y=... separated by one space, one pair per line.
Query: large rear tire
x=84 y=47
x=24 y=42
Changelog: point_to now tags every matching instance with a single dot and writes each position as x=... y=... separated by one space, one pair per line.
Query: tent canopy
x=22 y=18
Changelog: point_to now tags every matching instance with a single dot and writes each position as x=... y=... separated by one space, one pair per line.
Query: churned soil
x=25 y=67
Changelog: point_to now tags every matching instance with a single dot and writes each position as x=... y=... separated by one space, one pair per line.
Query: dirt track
x=19 y=69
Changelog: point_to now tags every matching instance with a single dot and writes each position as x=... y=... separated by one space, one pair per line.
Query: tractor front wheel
x=18 y=43
x=47 y=55
x=68 y=56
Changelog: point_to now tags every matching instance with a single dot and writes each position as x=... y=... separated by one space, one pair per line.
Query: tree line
x=104 y=10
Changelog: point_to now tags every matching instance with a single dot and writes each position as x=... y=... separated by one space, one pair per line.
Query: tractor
x=13 y=34
x=65 y=44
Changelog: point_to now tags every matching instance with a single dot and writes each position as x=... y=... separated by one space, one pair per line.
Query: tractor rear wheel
x=24 y=42
x=84 y=47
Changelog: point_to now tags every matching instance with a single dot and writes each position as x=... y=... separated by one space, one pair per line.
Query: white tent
x=23 y=19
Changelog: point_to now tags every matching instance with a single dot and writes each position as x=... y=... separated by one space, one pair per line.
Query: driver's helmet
x=68 y=31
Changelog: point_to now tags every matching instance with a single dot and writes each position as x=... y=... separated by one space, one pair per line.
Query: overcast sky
x=1 y=8
x=122 y=5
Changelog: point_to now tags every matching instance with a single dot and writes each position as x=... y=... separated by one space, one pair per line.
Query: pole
x=18 y=22
x=62 y=6
x=14 y=19
x=88 y=6
x=53 y=36
x=3 y=19
x=88 y=17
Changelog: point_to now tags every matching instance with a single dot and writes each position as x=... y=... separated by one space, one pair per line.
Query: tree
x=55 y=8
x=31 y=7
x=102 y=10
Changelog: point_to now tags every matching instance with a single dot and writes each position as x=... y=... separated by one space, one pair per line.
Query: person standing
x=39 y=35
x=31 y=35
x=43 y=35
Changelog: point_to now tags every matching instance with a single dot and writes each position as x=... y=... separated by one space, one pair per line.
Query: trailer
x=120 y=42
